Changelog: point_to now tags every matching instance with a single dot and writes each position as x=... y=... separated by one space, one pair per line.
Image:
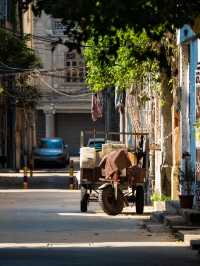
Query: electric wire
x=35 y=71
x=50 y=40
x=61 y=92
x=16 y=68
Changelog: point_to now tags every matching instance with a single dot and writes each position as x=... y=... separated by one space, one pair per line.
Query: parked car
x=96 y=143
x=53 y=151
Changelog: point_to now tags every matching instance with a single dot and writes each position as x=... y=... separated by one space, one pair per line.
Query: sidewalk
x=184 y=223
x=57 y=178
x=40 y=179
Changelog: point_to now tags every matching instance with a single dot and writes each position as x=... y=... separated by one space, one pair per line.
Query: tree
x=14 y=51
x=104 y=16
x=120 y=60
x=16 y=58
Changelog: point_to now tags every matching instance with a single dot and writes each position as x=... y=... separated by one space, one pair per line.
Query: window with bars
x=57 y=27
x=74 y=65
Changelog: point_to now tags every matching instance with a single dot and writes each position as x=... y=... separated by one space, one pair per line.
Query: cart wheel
x=107 y=200
x=84 y=202
x=139 y=200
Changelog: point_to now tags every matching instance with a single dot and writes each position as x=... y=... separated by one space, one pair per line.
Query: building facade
x=65 y=106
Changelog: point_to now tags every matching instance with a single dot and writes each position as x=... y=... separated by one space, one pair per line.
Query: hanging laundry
x=120 y=98
x=97 y=106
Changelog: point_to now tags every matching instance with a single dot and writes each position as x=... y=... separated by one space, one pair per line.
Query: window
x=57 y=27
x=68 y=63
x=51 y=144
x=75 y=68
x=68 y=79
x=70 y=55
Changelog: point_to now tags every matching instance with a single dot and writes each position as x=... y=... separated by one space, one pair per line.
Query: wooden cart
x=122 y=188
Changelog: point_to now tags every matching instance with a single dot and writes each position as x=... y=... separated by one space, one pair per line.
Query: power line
x=35 y=71
x=50 y=40
x=40 y=37
x=42 y=71
x=56 y=91
x=63 y=93
x=15 y=68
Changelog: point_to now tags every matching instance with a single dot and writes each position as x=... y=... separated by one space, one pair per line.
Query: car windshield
x=51 y=144
x=92 y=143
x=97 y=144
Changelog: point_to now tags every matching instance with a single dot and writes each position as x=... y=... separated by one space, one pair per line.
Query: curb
x=91 y=245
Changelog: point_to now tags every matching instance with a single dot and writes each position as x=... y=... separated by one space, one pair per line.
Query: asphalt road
x=47 y=228
x=54 y=217
x=137 y=256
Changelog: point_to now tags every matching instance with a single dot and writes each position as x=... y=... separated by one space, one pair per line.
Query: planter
x=186 y=201
x=159 y=206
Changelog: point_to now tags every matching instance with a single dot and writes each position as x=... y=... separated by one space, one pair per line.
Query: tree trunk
x=166 y=134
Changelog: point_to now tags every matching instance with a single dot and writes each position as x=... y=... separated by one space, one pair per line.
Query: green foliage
x=25 y=93
x=14 y=51
x=104 y=16
x=14 y=55
x=154 y=21
x=120 y=60
x=158 y=197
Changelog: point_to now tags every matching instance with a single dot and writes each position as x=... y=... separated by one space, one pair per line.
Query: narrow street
x=54 y=217
x=45 y=227
x=99 y=115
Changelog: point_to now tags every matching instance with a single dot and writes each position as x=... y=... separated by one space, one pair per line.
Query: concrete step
x=188 y=235
x=191 y=216
x=185 y=223
x=195 y=244
x=174 y=220
x=176 y=228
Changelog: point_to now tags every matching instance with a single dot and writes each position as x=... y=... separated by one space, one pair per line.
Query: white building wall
x=54 y=87
x=184 y=114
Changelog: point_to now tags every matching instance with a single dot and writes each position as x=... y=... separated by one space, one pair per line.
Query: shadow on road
x=138 y=256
